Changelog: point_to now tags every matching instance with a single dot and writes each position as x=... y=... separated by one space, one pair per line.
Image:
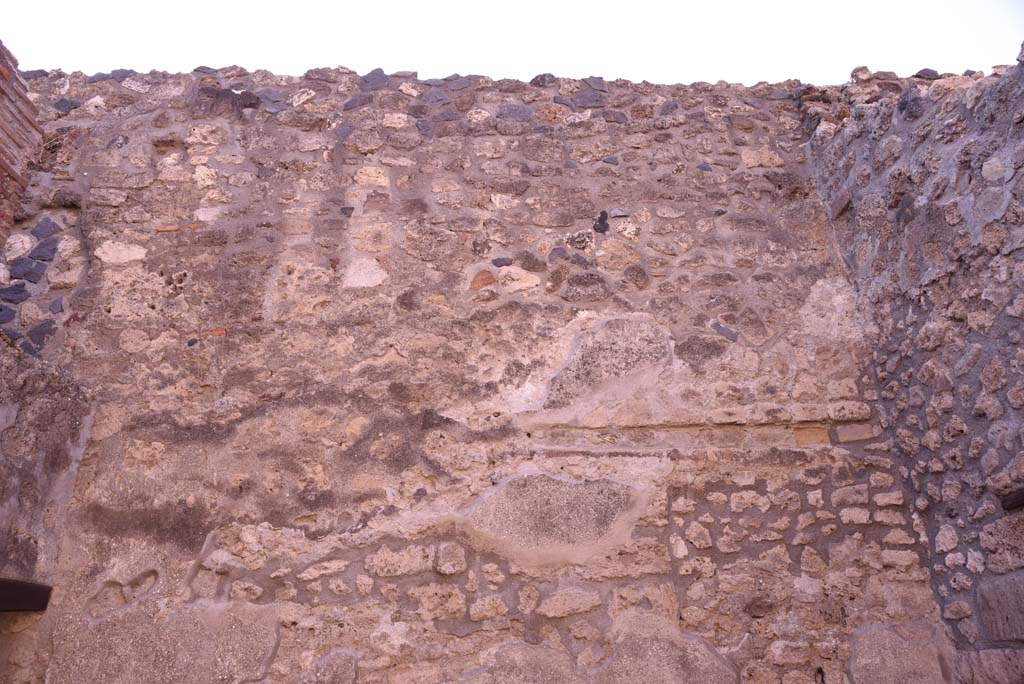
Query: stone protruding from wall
x=20 y=138
x=924 y=180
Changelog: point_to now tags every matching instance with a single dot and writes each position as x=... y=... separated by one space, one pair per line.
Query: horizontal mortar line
x=668 y=427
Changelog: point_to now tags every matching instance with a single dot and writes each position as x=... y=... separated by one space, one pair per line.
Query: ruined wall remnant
x=361 y=395
x=20 y=138
x=928 y=194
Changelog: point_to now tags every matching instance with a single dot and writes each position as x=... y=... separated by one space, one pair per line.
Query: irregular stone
x=15 y=294
x=364 y=272
x=196 y=643
x=409 y=560
x=588 y=98
x=585 y=287
x=649 y=649
x=487 y=608
x=899 y=654
x=439 y=601
x=42 y=332
x=18 y=245
x=542 y=519
x=519 y=663
x=451 y=559
x=1003 y=539
x=762 y=157
x=571 y=601
x=45 y=250
x=27 y=269
x=1001 y=607
x=45 y=228
x=611 y=351
x=337 y=666
x=114 y=252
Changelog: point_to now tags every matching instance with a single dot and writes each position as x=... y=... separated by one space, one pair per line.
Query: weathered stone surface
x=445 y=380
x=990 y=666
x=540 y=518
x=611 y=352
x=1004 y=540
x=646 y=648
x=523 y=664
x=899 y=654
x=1001 y=607
x=222 y=643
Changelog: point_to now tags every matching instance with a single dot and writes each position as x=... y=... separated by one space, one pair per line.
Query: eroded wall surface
x=928 y=196
x=369 y=397
x=20 y=138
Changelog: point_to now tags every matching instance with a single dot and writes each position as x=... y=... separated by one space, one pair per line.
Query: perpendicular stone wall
x=925 y=185
x=384 y=379
x=20 y=138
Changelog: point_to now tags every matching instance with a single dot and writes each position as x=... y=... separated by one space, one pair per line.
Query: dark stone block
x=27 y=269
x=1001 y=607
x=669 y=107
x=272 y=95
x=40 y=333
x=45 y=229
x=33 y=74
x=204 y=70
x=614 y=116
x=445 y=116
x=343 y=131
x=13 y=334
x=597 y=83
x=15 y=294
x=588 y=98
x=64 y=105
x=26 y=347
x=514 y=112
x=564 y=101
x=543 y=80
x=57 y=305
x=613 y=160
x=436 y=97
x=45 y=250
x=927 y=74
x=217 y=101
x=502 y=261
x=358 y=100
x=6 y=314
x=459 y=84
x=530 y=262
x=558 y=253
x=121 y=74
x=375 y=80
x=97 y=78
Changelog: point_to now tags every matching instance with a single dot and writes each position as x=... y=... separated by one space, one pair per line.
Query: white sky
x=672 y=41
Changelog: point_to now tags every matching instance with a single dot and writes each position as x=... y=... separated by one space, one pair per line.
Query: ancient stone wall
x=20 y=138
x=382 y=379
x=925 y=186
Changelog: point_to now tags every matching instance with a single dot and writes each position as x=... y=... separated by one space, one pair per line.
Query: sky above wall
x=671 y=41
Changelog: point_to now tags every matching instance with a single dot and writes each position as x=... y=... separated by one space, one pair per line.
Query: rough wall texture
x=378 y=379
x=928 y=200
x=20 y=138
